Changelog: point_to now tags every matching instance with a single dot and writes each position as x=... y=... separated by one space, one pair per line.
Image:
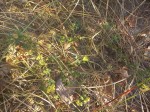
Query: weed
x=84 y=45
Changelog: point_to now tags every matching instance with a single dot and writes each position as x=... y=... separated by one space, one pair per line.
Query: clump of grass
x=78 y=41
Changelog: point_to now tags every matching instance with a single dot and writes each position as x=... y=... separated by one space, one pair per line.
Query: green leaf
x=47 y=71
x=42 y=62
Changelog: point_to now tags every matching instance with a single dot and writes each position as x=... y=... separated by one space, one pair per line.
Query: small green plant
x=79 y=41
x=144 y=88
x=82 y=100
x=48 y=86
x=107 y=26
x=115 y=39
x=41 y=60
x=23 y=40
x=75 y=27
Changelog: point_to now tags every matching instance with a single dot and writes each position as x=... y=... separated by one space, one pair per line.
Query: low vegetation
x=74 y=56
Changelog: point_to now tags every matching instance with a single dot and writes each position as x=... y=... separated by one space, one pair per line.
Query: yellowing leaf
x=87 y=99
x=85 y=59
x=50 y=89
x=144 y=88
x=79 y=103
x=41 y=42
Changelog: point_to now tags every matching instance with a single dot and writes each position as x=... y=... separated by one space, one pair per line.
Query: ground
x=74 y=56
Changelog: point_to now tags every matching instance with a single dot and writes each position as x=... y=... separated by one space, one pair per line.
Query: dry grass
x=95 y=51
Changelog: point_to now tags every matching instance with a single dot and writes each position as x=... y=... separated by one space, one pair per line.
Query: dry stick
x=122 y=94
